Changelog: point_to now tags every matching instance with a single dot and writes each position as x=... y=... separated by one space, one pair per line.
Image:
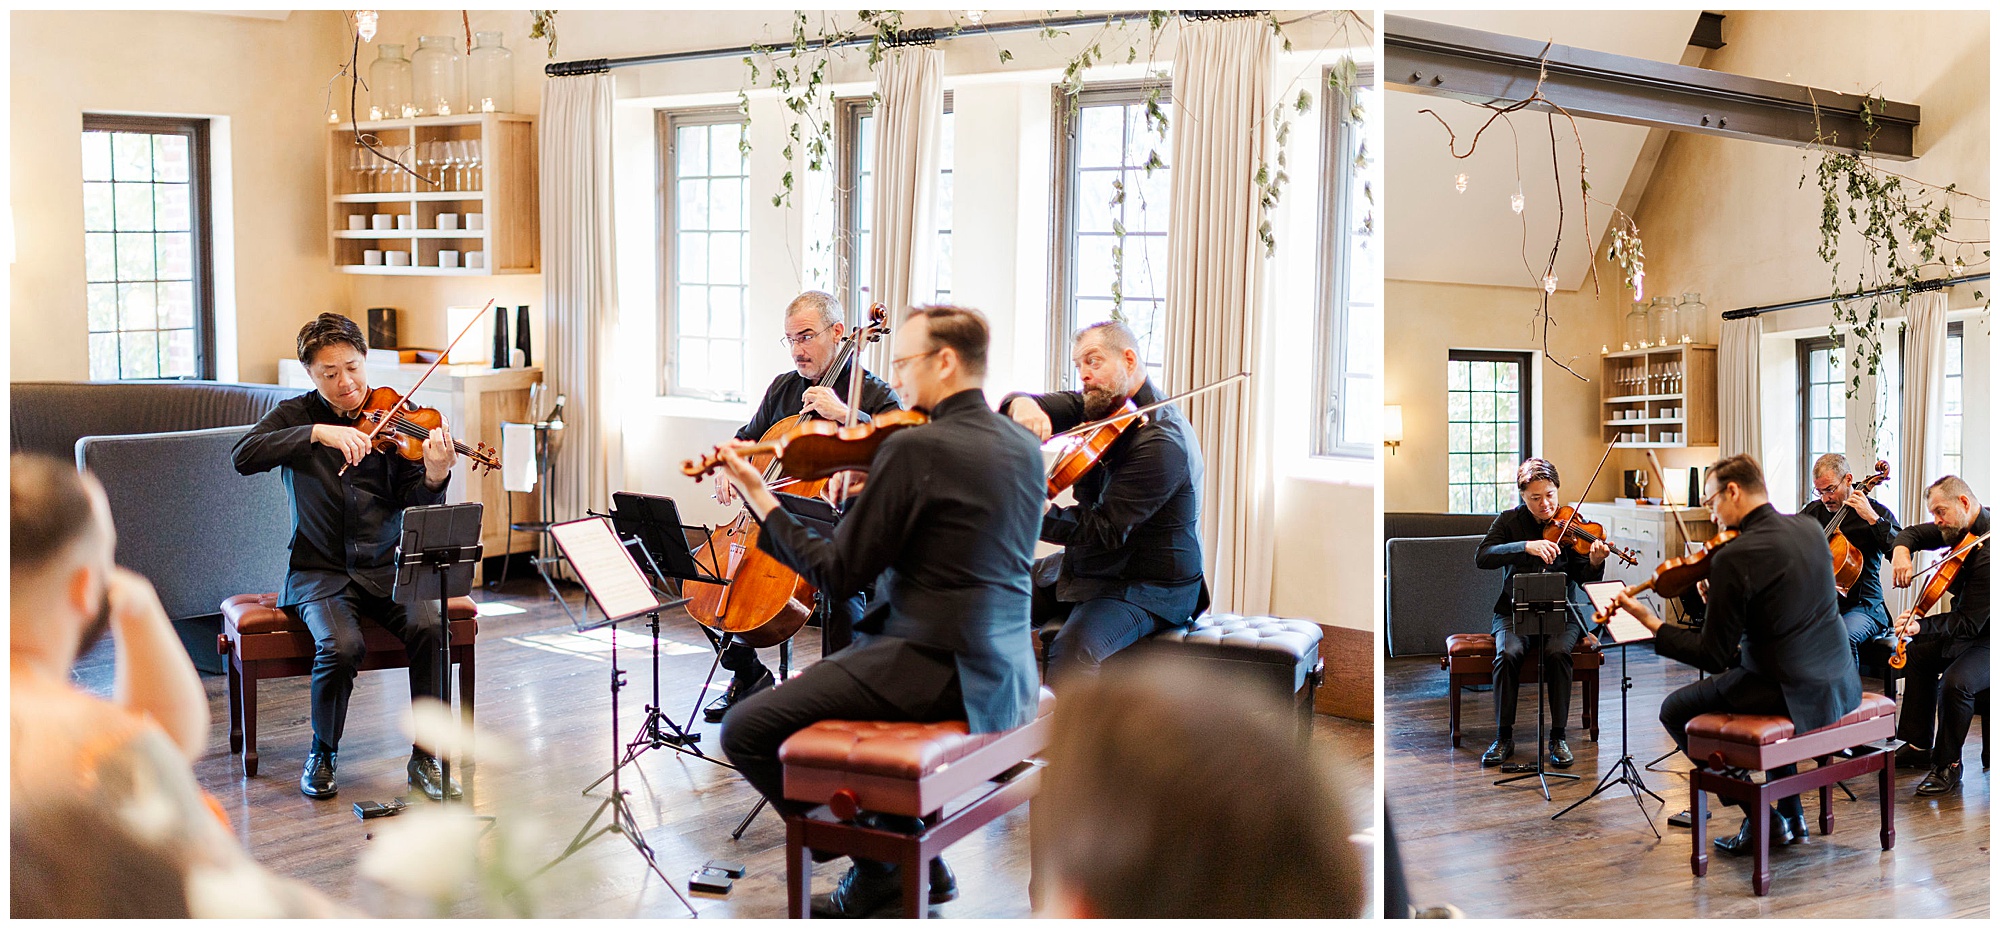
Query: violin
x=1571 y=531
x=400 y=427
x=1848 y=560
x=1676 y=576
x=1934 y=589
x=1078 y=450
x=816 y=449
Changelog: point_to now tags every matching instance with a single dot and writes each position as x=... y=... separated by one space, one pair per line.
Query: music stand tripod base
x=1625 y=772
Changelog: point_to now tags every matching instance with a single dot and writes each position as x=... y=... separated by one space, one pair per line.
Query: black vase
x=521 y=339
x=500 y=351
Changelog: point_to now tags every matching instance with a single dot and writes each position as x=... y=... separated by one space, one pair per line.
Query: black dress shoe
x=317 y=781
x=869 y=890
x=1942 y=780
x=944 y=884
x=425 y=775
x=1499 y=751
x=1796 y=832
x=738 y=691
x=1560 y=755
x=1912 y=758
x=1740 y=843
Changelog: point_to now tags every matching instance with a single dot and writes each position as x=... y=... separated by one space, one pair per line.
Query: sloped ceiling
x=1436 y=234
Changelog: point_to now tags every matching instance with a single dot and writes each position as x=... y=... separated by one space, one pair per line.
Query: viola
x=1848 y=560
x=1571 y=531
x=1676 y=576
x=1946 y=572
x=400 y=427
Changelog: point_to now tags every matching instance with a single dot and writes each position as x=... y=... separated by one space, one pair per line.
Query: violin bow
x=1933 y=566
x=1576 y=512
x=1141 y=411
x=1653 y=459
x=379 y=426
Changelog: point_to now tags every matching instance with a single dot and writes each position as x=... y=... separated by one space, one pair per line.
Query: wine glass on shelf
x=427 y=164
x=1639 y=481
x=474 y=162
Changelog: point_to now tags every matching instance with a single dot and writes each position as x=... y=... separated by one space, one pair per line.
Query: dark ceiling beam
x=1485 y=67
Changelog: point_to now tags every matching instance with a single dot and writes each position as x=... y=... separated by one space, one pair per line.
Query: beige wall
x=265 y=77
x=1425 y=321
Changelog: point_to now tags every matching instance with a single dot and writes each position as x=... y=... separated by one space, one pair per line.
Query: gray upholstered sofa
x=185 y=518
x=1434 y=588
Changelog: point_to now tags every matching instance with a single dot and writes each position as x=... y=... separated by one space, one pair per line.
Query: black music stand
x=1626 y=772
x=612 y=579
x=434 y=561
x=1541 y=604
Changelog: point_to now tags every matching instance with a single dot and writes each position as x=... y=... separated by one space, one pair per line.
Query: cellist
x=1869 y=527
x=813 y=330
x=1949 y=655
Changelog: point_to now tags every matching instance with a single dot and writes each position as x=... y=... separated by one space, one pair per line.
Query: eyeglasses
x=1709 y=501
x=896 y=364
x=803 y=338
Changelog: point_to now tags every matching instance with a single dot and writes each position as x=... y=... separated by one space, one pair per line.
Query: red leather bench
x=259 y=641
x=1468 y=659
x=907 y=769
x=1759 y=743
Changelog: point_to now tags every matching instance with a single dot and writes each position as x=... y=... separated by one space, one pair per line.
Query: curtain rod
x=1921 y=287
x=924 y=36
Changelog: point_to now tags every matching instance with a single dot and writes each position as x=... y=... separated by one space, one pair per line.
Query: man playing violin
x=945 y=530
x=1131 y=559
x=813 y=330
x=1949 y=655
x=1517 y=543
x=1772 y=643
x=344 y=541
x=1869 y=527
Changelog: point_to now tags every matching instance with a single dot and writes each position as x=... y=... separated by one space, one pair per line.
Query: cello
x=1848 y=560
x=765 y=602
x=1934 y=589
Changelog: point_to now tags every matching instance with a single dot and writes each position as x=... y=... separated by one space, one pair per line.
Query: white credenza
x=1651 y=532
x=475 y=400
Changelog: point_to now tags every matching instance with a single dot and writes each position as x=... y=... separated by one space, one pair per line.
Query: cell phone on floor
x=709 y=882
x=369 y=809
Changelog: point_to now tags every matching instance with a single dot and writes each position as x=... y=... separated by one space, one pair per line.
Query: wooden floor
x=542 y=691
x=1493 y=851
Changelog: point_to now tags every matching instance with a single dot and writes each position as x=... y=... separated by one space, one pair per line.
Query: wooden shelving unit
x=503 y=190
x=1659 y=397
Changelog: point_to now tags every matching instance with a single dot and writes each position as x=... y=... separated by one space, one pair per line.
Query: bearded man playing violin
x=1773 y=642
x=1949 y=657
x=348 y=505
x=813 y=330
x=1517 y=543
x=1131 y=559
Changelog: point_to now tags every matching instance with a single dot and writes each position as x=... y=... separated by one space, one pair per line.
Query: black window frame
x=201 y=222
x=1526 y=362
x=1805 y=349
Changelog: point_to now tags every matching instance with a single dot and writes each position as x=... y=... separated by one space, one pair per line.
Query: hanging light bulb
x=1459 y=182
x=1549 y=282
x=1517 y=201
x=365 y=22
x=1639 y=286
x=974 y=16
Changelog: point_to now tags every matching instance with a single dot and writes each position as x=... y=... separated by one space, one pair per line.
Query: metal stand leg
x=1624 y=772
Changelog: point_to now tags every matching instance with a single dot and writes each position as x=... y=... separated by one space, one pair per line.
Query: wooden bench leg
x=798 y=872
x=1760 y=842
x=916 y=881
x=1886 y=780
x=235 y=706
x=1454 y=713
x=1698 y=809
x=1826 y=809
x=249 y=723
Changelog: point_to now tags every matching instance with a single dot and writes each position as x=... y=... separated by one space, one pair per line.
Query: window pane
x=177 y=358
x=725 y=149
x=725 y=258
x=103 y=307
x=97 y=207
x=705 y=325
x=692 y=205
x=725 y=312
x=691 y=258
x=1461 y=500
x=135 y=207
x=170 y=207
x=136 y=306
x=1096 y=269
x=1364 y=411
x=1100 y=136
x=1094 y=191
x=1461 y=376
x=693 y=312
x=103 y=356
x=96 y=162
x=170 y=158
x=177 y=305
x=176 y=259
x=139 y=354
x=135 y=256
x=691 y=151
x=131 y=156
x=100 y=256
x=725 y=203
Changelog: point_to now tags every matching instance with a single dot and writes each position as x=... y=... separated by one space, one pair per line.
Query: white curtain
x=1923 y=419
x=907 y=127
x=577 y=275
x=1740 y=419
x=1217 y=323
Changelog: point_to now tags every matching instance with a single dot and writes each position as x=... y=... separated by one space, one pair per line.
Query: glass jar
x=489 y=75
x=1694 y=318
x=389 y=80
x=1635 y=327
x=440 y=82
x=1660 y=321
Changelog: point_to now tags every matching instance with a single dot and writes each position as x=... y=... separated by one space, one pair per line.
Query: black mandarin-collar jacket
x=1969 y=594
x=1506 y=548
x=787 y=395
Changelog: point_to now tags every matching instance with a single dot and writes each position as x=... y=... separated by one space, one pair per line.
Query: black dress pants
x=1945 y=678
x=836 y=632
x=1510 y=651
x=1733 y=691
x=339 y=649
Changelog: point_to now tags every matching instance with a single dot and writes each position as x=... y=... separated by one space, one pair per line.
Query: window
x=1110 y=255
x=1954 y=399
x=1488 y=420
x=703 y=173
x=1348 y=384
x=857 y=203
x=1822 y=405
x=149 y=271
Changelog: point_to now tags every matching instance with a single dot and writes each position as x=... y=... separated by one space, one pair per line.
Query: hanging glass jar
x=490 y=75
x=440 y=76
x=1635 y=327
x=1694 y=318
x=389 y=80
x=1660 y=321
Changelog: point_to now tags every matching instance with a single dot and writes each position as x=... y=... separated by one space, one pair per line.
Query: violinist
x=1772 y=642
x=1515 y=544
x=344 y=541
x=813 y=330
x=945 y=531
x=1869 y=527
x=1950 y=653
x=1131 y=559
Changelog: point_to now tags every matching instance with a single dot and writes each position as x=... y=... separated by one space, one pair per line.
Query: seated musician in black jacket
x=1131 y=559
x=1950 y=654
x=1772 y=643
x=1869 y=527
x=945 y=529
x=813 y=330
x=1515 y=544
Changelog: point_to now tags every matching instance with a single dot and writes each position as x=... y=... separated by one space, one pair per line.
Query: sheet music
x=605 y=567
x=1625 y=630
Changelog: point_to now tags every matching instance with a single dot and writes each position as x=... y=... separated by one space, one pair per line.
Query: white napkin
x=517 y=457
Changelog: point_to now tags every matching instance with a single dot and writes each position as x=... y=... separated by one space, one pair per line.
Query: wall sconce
x=1392 y=427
